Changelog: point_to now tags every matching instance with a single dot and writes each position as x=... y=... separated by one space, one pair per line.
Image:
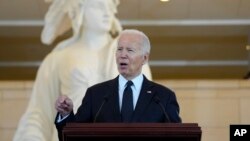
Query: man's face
x=129 y=55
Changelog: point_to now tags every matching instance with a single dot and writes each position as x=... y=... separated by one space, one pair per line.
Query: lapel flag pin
x=149 y=92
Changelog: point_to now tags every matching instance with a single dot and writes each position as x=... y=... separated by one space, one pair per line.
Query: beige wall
x=14 y=98
x=213 y=104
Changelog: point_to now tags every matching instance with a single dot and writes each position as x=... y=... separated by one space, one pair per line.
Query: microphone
x=105 y=99
x=158 y=101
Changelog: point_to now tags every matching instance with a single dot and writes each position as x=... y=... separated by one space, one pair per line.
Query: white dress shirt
x=136 y=88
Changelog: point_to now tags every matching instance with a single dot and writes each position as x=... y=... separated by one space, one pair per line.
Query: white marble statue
x=74 y=64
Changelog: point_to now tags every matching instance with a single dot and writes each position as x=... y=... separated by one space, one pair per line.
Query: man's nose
x=123 y=54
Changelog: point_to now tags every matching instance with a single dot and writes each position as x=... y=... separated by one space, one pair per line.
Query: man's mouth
x=123 y=64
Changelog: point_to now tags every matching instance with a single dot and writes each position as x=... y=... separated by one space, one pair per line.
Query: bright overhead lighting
x=248 y=47
x=164 y=0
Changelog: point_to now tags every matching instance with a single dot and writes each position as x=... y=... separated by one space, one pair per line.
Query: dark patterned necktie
x=127 y=103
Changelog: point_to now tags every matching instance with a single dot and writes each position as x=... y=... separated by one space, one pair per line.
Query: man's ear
x=145 y=58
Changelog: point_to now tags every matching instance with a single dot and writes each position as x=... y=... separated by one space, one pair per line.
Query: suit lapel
x=144 y=99
x=114 y=100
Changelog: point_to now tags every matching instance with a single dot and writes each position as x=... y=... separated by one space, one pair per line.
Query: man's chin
x=124 y=74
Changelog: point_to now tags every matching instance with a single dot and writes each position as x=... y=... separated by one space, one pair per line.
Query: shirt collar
x=137 y=81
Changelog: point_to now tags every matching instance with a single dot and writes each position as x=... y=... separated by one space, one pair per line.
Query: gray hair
x=145 y=40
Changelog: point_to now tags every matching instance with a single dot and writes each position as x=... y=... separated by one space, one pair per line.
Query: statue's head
x=80 y=14
x=95 y=15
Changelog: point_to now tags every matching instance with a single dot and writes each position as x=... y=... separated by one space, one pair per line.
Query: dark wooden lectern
x=131 y=131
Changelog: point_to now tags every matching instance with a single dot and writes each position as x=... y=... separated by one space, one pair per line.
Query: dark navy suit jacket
x=148 y=107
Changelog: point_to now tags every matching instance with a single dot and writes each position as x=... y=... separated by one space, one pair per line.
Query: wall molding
x=192 y=22
x=153 y=63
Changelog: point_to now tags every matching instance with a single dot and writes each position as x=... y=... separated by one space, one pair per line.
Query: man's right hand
x=64 y=105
